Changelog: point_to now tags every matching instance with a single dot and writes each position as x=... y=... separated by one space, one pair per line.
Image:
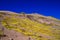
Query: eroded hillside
x=22 y=26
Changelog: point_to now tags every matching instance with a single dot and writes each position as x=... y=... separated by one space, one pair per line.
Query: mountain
x=21 y=26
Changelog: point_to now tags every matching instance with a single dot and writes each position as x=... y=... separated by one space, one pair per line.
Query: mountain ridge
x=28 y=27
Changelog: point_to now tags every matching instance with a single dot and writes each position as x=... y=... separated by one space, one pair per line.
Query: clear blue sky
x=45 y=7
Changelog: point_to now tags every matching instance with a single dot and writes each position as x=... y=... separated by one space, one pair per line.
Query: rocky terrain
x=21 y=26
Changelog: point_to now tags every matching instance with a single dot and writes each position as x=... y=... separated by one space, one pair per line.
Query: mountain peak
x=8 y=12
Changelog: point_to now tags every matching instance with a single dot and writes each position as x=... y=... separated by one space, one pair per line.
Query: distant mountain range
x=21 y=26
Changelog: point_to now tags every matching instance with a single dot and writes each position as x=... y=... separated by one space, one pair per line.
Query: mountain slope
x=14 y=26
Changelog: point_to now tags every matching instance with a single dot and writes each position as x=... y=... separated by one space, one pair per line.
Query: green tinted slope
x=34 y=29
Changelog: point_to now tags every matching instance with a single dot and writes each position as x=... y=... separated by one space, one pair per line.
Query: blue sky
x=45 y=7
